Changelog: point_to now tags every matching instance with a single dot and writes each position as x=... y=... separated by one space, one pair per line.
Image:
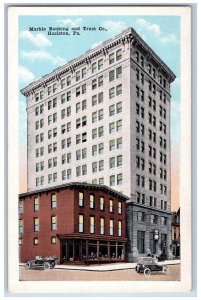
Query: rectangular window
x=118 y=72
x=119 y=228
x=112 y=127
x=81 y=199
x=92 y=201
x=111 y=227
x=101 y=203
x=119 y=179
x=119 y=107
x=21 y=226
x=111 y=205
x=111 y=75
x=68 y=96
x=140 y=216
x=119 y=125
x=69 y=174
x=21 y=207
x=36 y=204
x=119 y=207
x=100 y=81
x=141 y=241
x=112 y=93
x=111 y=58
x=53 y=201
x=119 y=143
x=36 y=224
x=77 y=75
x=102 y=225
x=84 y=169
x=94 y=167
x=53 y=239
x=78 y=171
x=119 y=161
x=119 y=89
x=53 y=223
x=84 y=72
x=94 y=100
x=118 y=54
x=81 y=223
x=94 y=117
x=112 y=162
x=100 y=114
x=112 y=145
x=93 y=68
x=92 y=225
x=100 y=131
x=100 y=63
x=100 y=97
x=100 y=148
x=68 y=80
x=101 y=165
x=94 y=84
x=112 y=110
x=112 y=180
x=94 y=133
x=77 y=91
x=36 y=241
x=78 y=107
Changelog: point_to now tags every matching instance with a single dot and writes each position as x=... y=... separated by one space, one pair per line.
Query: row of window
x=53 y=240
x=140 y=181
x=54 y=226
x=91 y=202
x=153 y=219
x=96 y=132
x=140 y=198
x=82 y=171
x=150 y=69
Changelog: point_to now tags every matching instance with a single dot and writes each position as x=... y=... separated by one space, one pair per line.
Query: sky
x=40 y=53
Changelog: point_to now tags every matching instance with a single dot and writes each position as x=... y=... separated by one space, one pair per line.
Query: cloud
x=170 y=38
x=94 y=45
x=114 y=26
x=154 y=28
x=70 y=22
x=39 y=40
x=43 y=55
x=25 y=75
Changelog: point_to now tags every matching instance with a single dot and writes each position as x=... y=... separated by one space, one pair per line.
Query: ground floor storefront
x=86 y=250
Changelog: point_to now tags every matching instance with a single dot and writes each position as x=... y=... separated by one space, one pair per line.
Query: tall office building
x=104 y=118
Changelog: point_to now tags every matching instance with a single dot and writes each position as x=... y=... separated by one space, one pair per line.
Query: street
x=112 y=275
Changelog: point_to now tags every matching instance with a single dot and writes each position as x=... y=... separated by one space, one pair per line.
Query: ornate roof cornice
x=127 y=36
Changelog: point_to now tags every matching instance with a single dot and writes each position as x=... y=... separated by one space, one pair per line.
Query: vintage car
x=45 y=262
x=147 y=265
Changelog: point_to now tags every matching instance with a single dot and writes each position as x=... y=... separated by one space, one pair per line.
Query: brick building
x=74 y=222
x=104 y=118
x=176 y=233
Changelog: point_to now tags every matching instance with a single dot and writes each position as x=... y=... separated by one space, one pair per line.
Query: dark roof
x=84 y=185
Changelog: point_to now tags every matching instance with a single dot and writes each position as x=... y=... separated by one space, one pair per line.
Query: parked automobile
x=162 y=257
x=45 y=262
x=147 y=265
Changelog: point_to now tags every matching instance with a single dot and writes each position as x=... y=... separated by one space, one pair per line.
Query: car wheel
x=165 y=269
x=147 y=271
x=28 y=265
x=46 y=266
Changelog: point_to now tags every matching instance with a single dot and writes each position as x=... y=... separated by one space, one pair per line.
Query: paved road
x=71 y=275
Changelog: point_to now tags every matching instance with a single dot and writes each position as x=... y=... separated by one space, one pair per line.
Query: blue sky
x=40 y=53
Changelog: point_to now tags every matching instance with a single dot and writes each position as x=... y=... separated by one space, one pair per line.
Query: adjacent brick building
x=176 y=233
x=75 y=222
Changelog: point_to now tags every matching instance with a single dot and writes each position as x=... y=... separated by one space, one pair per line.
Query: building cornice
x=82 y=185
x=129 y=36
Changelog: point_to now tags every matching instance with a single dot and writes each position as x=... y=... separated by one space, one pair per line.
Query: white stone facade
x=116 y=100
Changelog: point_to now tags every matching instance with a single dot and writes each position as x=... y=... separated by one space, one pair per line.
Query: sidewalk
x=108 y=267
